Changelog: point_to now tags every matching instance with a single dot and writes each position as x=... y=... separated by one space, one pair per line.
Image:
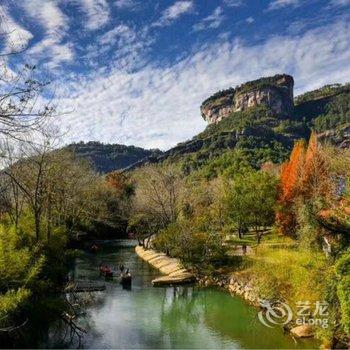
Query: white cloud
x=340 y=2
x=16 y=38
x=249 y=20
x=212 y=21
x=173 y=12
x=126 y=45
x=278 y=4
x=55 y=25
x=47 y=14
x=121 y=31
x=233 y=3
x=97 y=13
x=126 y=4
x=158 y=107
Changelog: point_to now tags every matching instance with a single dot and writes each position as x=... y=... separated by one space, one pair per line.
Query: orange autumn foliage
x=291 y=172
x=304 y=176
x=116 y=180
x=315 y=179
x=289 y=189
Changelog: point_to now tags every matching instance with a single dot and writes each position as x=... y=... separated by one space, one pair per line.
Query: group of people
x=107 y=271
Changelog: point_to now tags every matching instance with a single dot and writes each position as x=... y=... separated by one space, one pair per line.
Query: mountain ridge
x=256 y=127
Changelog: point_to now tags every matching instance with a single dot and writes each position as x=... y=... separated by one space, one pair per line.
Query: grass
x=290 y=274
x=247 y=240
x=270 y=238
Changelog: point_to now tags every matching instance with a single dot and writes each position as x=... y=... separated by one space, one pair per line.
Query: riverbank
x=172 y=268
x=180 y=316
x=236 y=283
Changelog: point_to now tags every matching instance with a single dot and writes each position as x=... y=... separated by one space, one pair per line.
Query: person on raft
x=94 y=248
x=106 y=271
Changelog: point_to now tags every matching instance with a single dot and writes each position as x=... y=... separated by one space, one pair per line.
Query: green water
x=173 y=317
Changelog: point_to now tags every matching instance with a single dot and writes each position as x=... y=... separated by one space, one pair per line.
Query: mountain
x=109 y=157
x=262 y=119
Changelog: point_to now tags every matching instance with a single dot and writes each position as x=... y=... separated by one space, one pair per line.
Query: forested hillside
x=108 y=157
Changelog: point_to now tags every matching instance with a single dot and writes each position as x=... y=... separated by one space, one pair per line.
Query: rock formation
x=275 y=92
x=216 y=109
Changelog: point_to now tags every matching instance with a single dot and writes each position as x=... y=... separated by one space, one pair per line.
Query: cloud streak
x=126 y=4
x=233 y=3
x=55 y=25
x=97 y=13
x=278 y=4
x=159 y=106
x=340 y=3
x=16 y=38
x=212 y=21
x=173 y=12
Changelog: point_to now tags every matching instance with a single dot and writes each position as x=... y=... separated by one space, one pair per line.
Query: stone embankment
x=236 y=283
x=242 y=284
x=239 y=283
x=174 y=272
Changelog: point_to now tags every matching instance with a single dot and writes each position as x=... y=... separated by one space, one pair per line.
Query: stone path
x=172 y=268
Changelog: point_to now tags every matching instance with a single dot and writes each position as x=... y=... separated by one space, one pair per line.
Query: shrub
x=344 y=300
x=11 y=304
x=191 y=243
x=342 y=266
x=20 y=267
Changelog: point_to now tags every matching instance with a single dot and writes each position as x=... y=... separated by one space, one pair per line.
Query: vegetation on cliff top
x=245 y=87
x=325 y=91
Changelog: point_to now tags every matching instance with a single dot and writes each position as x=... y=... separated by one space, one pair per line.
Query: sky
x=135 y=72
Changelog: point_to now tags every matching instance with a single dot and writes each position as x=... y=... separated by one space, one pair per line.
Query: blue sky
x=135 y=72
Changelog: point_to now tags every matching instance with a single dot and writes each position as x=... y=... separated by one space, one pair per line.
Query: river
x=157 y=318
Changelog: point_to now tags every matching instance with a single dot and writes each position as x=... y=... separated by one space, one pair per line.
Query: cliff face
x=220 y=108
x=275 y=92
x=264 y=135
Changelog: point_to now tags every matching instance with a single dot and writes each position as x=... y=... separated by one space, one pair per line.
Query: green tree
x=250 y=201
x=19 y=270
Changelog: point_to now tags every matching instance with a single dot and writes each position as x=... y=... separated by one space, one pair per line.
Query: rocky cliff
x=258 y=118
x=276 y=93
x=217 y=107
x=268 y=130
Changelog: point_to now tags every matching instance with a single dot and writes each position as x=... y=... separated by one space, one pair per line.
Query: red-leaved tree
x=303 y=177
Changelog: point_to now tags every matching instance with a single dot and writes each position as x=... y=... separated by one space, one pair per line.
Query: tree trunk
x=37 y=226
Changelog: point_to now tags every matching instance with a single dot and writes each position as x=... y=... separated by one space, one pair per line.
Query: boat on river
x=125 y=279
x=106 y=271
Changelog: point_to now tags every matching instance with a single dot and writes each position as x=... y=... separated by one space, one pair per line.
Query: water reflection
x=147 y=317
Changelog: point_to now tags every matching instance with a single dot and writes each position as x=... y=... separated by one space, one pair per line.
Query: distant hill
x=109 y=157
